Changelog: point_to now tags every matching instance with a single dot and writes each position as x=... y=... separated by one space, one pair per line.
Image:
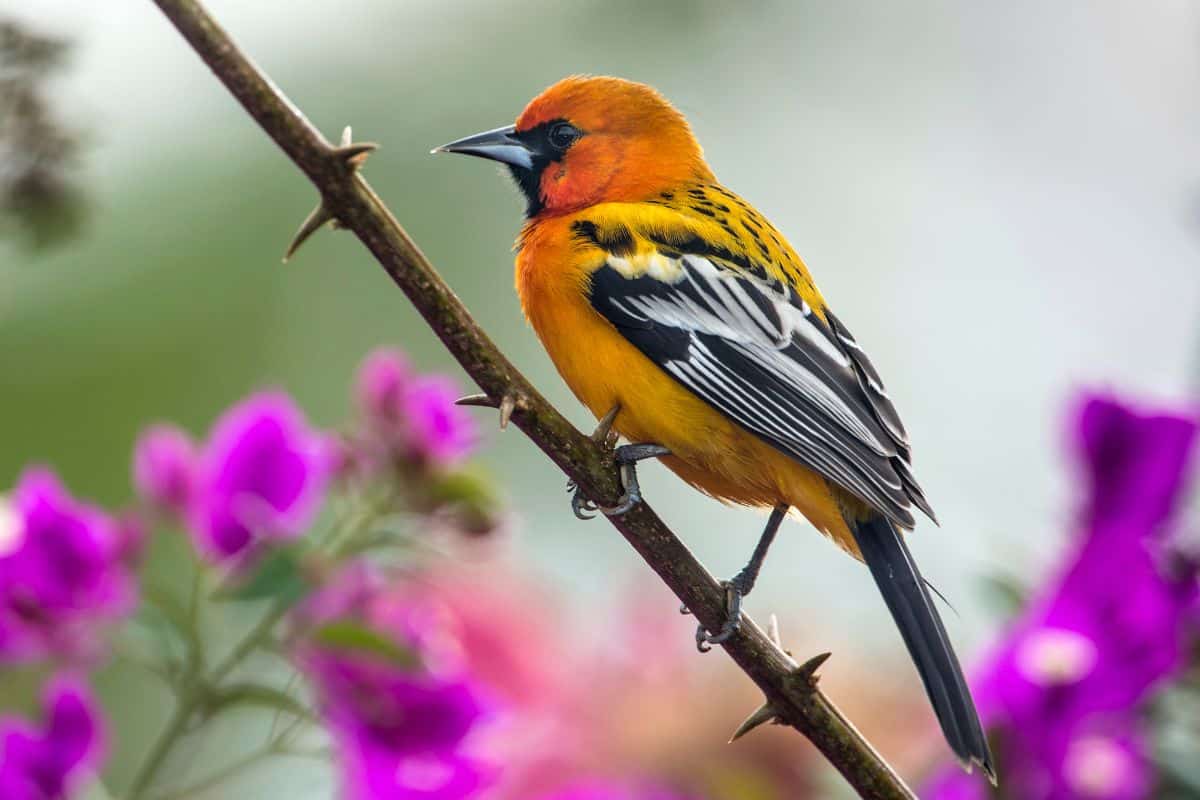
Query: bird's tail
x=904 y=590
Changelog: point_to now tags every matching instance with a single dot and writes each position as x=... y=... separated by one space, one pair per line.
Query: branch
x=792 y=696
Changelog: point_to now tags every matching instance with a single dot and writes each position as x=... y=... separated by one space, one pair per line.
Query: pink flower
x=164 y=468
x=262 y=478
x=397 y=703
x=47 y=764
x=439 y=431
x=63 y=572
x=410 y=417
x=380 y=385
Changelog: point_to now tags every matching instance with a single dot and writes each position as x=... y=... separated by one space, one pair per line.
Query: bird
x=688 y=325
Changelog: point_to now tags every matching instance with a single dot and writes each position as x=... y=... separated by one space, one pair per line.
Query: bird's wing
x=745 y=342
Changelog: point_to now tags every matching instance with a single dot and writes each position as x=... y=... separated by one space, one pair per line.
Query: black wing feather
x=754 y=350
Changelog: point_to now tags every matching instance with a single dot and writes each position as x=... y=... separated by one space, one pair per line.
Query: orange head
x=592 y=140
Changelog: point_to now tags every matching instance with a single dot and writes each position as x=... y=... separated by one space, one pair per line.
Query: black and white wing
x=754 y=350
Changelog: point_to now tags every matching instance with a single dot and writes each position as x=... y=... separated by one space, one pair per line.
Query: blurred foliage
x=40 y=201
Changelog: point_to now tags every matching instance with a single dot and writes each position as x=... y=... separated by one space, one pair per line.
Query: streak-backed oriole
x=665 y=299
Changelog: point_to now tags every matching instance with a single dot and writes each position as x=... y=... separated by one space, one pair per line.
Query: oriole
x=664 y=298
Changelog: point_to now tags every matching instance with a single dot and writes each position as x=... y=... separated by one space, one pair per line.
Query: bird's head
x=589 y=140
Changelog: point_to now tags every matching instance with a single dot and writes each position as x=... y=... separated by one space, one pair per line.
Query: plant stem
x=194 y=692
x=161 y=748
x=196 y=687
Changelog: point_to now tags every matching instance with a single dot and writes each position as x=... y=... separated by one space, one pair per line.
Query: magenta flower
x=439 y=431
x=48 y=764
x=411 y=417
x=164 y=468
x=396 y=702
x=379 y=388
x=63 y=572
x=1063 y=693
x=261 y=478
x=1109 y=766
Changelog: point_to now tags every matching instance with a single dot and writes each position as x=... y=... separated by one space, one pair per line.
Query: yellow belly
x=709 y=451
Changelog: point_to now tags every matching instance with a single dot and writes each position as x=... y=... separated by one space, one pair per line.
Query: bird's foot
x=580 y=505
x=735 y=590
x=606 y=438
x=628 y=455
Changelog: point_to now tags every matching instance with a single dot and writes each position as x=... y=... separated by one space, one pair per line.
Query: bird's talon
x=733 y=620
x=631 y=498
x=580 y=505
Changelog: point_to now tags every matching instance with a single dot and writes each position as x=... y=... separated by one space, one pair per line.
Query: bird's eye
x=563 y=135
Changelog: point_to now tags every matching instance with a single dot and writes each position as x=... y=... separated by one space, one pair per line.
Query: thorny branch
x=792 y=696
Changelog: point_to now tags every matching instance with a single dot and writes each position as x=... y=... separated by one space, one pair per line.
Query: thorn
x=773 y=632
x=808 y=669
x=354 y=154
x=604 y=432
x=508 y=404
x=312 y=223
x=761 y=716
x=481 y=400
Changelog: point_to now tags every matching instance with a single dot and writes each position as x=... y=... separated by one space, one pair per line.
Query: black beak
x=500 y=145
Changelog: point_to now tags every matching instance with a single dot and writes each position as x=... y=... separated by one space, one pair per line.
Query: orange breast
x=603 y=369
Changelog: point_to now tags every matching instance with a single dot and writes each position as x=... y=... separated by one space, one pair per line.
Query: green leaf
x=469 y=485
x=279 y=575
x=349 y=636
x=472 y=495
x=258 y=696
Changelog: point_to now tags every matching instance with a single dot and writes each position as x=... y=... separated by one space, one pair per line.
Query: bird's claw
x=627 y=457
x=630 y=497
x=733 y=618
x=580 y=505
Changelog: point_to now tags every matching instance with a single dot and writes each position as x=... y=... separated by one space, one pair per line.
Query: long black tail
x=907 y=598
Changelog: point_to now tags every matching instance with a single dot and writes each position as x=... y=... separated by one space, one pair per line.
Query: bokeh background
x=1001 y=201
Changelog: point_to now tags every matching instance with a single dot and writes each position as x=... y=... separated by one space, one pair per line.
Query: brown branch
x=790 y=690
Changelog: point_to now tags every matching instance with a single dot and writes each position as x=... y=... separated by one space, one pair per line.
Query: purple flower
x=62 y=572
x=1133 y=462
x=380 y=387
x=410 y=417
x=261 y=478
x=48 y=764
x=1062 y=694
x=164 y=468
x=395 y=700
x=439 y=431
x=1112 y=767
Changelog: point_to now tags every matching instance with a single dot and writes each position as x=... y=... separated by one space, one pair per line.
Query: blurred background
x=1002 y=202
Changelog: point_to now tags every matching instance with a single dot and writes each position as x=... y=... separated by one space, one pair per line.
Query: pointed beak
x=500 y=145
